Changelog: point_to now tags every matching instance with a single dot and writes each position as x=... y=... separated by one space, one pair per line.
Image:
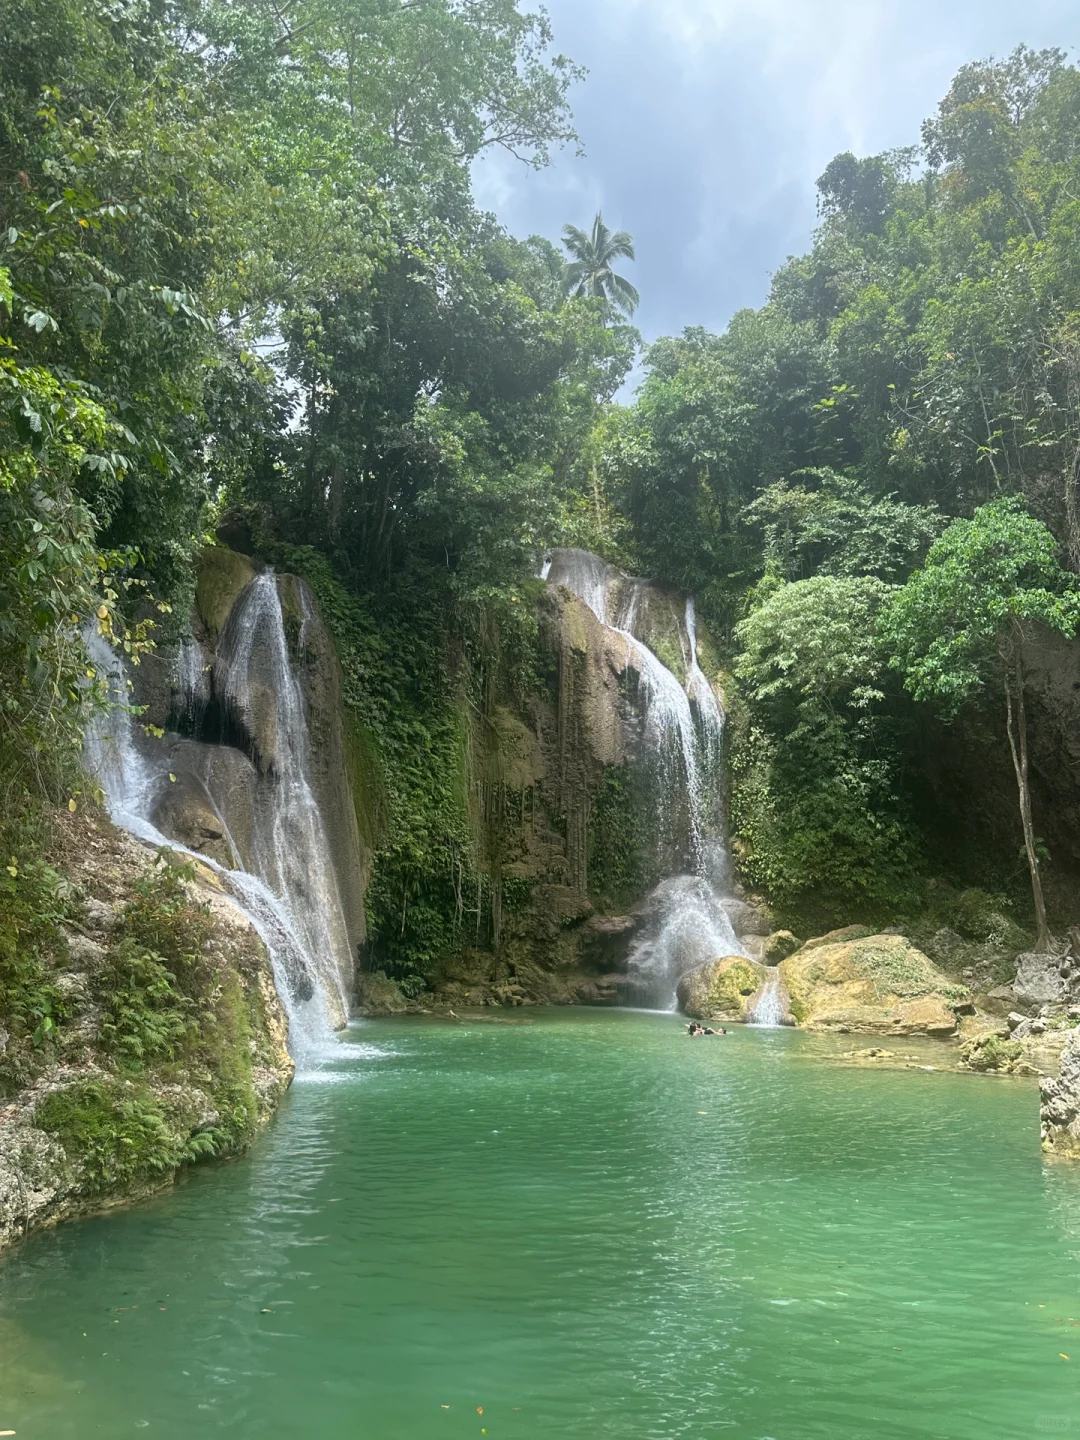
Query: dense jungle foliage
x=920 y=364
x=243 y=280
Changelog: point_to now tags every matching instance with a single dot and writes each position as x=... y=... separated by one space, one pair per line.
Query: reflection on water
x=589 y=1226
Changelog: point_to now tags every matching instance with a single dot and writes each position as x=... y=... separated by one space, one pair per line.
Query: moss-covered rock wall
x=140 y=1030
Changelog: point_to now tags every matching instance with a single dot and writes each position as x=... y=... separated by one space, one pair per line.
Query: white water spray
x=769 y=1008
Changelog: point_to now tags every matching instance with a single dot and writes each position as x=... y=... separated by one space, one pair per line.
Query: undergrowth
x=34 y=901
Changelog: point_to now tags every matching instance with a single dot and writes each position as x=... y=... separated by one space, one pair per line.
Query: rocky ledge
x=877 y=983
x=165 y=1042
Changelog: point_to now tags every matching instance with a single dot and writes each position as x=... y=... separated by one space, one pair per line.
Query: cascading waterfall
x=290 y=851
x=687 y=922
x=289 y=889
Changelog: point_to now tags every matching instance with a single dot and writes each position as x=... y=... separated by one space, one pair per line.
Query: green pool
x=589 y=1226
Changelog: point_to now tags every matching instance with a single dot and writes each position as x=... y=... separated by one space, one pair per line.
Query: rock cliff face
x=131 y=1088
x=565 y=839
x=1060 y=1109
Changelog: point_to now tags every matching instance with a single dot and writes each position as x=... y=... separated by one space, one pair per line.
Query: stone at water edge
x=721 y=989
x=878 y=983
x=377 y=994
x=1059 y=1111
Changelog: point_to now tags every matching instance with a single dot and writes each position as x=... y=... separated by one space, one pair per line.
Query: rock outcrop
x=721 y=989
x=878 y=983
x=1059 y=1112
x=778 y=946
x=1044 y=979
x=89 y=1124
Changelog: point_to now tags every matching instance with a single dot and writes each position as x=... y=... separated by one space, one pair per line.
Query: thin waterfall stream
x=769 y=1007
x=687 y=920
x=288 y=889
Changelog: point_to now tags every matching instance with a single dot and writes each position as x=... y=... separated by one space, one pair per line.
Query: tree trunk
x=1017 y=727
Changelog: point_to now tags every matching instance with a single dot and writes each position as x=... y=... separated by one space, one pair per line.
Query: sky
x=706 y=123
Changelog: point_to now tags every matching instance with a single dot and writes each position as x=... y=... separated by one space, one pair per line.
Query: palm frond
x=623 y=294
x=620 y=243
x=576 y=241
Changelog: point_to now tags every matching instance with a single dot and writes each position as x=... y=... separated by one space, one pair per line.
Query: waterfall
x=687 y=922
x=291 y=853
x=287 y=884
x=768 y=1008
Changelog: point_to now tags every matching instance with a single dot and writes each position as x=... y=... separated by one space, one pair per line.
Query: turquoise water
x=590 y=1226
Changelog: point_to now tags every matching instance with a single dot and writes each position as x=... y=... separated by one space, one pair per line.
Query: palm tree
x=590 y=272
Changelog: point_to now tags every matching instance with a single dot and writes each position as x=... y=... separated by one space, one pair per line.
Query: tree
x=960 y=622
x=822 y=523
x=590 y=272
x=815 y=795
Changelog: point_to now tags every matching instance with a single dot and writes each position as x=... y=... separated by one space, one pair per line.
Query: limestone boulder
x=840 y=937
x=377 y=994
x=1041 y=979
x=878 y=983
x=1059 y=1111
x=748 y=917
x=721 y=989
x=996 y=1054
x=778 y=946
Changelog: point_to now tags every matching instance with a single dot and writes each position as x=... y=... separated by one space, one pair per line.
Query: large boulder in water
x=880 y=983
x=377 y=994
x=721 y=989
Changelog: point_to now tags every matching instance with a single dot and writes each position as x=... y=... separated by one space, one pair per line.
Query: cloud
x=706 y=123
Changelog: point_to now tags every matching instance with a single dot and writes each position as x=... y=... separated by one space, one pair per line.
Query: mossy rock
x=840 y=937
x=377 y=994
x=223 y=575
x=721 y=989
x=878 y=983
x=779 y=945
x=998 y=1054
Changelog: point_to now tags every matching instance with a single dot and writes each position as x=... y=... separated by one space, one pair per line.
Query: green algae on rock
x=877 y=982
x=721 y=989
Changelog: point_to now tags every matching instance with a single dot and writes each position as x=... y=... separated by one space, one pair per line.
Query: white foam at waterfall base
x=131 y=782
x=768 y=1009
x=686 y=922
x=686 y=926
